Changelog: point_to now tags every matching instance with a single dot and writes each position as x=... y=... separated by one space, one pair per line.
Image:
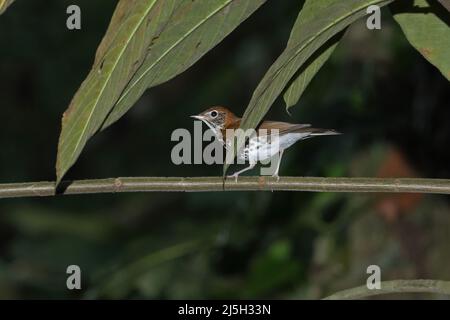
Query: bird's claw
x=235 y=176
x=276 y=176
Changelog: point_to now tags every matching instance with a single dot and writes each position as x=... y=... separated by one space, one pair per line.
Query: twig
x=203 y=184
x=394 y=286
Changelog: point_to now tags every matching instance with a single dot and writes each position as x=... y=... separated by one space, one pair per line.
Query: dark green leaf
x=426 y=25
x=313 y=65
x=298 y=86
x=195 y=29
x=121 y=52
x=321 y=27
x=148 y=42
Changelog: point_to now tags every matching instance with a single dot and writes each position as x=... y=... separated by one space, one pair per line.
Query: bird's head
x=216 y=117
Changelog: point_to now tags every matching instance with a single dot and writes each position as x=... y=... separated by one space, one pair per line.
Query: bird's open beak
x=198 y=117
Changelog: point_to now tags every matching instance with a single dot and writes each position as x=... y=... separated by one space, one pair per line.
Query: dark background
x=390 y=103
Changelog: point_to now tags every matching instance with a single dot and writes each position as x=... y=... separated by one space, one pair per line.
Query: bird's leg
x=236 y=174
x=275 y=175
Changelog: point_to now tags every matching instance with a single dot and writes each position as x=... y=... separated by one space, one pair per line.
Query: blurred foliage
x=392 y=105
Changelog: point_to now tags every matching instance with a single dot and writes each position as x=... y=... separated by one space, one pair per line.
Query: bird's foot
x=276 y=176
x=235 y=176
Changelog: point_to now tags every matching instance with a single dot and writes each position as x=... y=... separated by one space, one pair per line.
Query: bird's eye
x=214 y=113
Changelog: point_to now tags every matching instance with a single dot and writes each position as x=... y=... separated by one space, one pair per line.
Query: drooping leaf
x=329 y=21
x=298 y=86
x=4 y=4
x=426 y=25
x=148 y=42
x=325 y=24
x=312 y=66
x=196 y=27
x=121 y=53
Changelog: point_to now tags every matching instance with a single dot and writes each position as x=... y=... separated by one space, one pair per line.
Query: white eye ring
x=214 y=114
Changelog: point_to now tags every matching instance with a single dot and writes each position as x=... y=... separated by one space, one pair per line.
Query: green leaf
x=298 y=86
x=119 y=55
x=313 y=65
x=333 y=17
x=147 y=42
x=4 y=4
x=426 y=26
x=194 y=30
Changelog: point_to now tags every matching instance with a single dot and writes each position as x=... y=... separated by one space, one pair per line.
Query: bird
x=272 y=137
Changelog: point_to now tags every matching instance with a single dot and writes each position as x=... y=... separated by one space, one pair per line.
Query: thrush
x=272 y=137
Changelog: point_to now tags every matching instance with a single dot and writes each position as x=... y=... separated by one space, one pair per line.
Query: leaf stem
x=205 y=184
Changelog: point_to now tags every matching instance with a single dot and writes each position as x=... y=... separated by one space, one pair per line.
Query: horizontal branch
x=203 y=184
x=394 y=286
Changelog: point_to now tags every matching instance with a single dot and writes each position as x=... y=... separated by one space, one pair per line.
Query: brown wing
x=283 y=127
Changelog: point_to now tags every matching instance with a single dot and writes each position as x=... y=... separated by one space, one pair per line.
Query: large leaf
x=147 y=42
x=4 y=4
x=122 y=51
x=196 y=27
x=426 y=25
x=298 y=86
x=313 y=65
x=333 y=18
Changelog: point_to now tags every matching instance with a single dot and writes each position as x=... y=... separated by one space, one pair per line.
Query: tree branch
x=202 y=184
x=395 y=286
